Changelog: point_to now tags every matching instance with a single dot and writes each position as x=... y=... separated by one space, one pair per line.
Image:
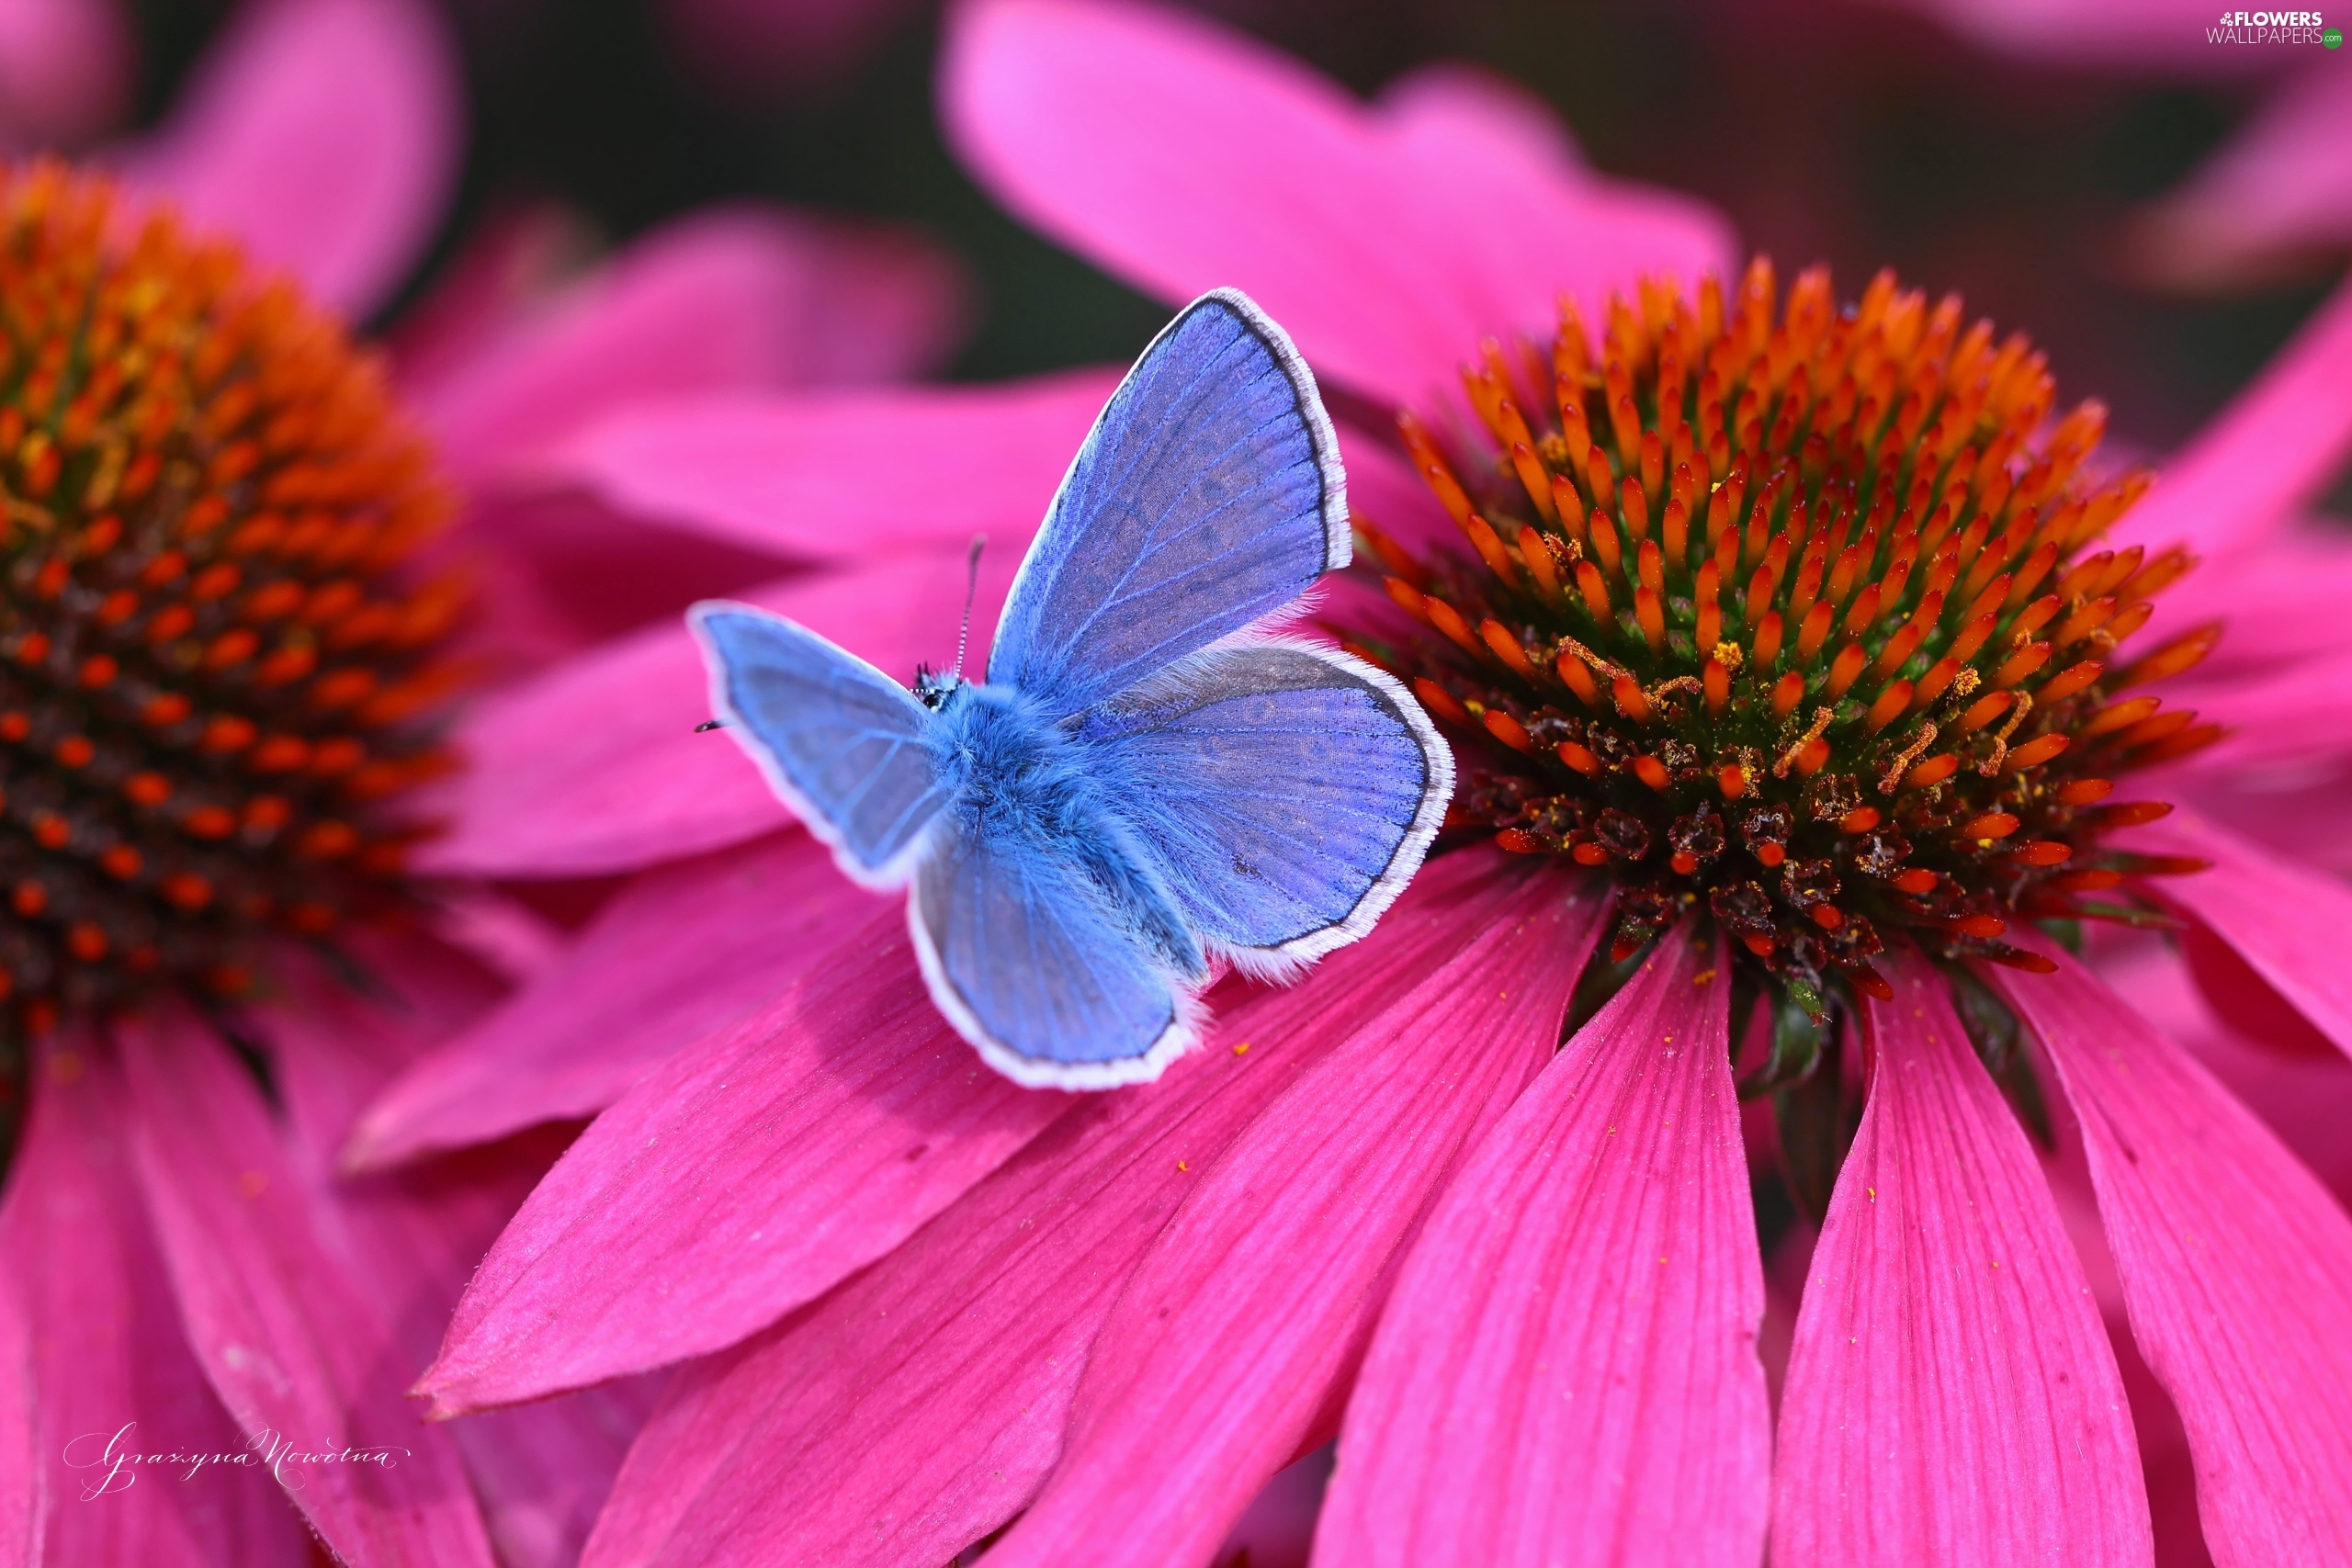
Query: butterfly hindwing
x=1208 y=496
x=1034 y=968
x=1289 y=792
x=842 y=743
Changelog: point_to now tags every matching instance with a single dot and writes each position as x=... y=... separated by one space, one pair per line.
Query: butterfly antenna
x=971 y=590
x=706 y=726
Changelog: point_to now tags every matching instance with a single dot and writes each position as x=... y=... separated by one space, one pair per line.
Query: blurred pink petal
x=681 y=951
x=2278 y=191
x=727 y=299
x=325 y=136
x=596 y=767
x=919 y=1405
x=292 y=1341
x=1248 y=1316
x=2237 y=1266
x=840 y=476
x=65 y=68
x=1472 y=115
x=1951 y=1397
x=2287 y=922
x=2254 y=468
x=746 y=1176
x=2293 y=719
x=2278 y=603
x=412 y=1238
x=756 y=48
x=1182 y=156
x=108 y=1337
x=1597 y=1399
x=2168 y=35
x=23 y=1495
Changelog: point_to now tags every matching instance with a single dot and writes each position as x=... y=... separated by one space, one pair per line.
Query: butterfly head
x=933 y=687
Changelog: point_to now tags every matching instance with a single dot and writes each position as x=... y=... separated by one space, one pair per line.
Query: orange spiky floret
x=1819 y=639
x=210 y=659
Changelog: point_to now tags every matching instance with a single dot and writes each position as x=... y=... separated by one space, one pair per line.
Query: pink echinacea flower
x=1519 y=1278
x=229 y=610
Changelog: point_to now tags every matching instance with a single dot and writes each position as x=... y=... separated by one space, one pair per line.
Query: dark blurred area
x=1839 y=130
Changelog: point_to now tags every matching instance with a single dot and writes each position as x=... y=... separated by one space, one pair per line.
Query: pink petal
x=2237 y=1272
x=292 y=1341
x=1566 y=1372
x=728 y=299
x=323 y=134
x=824 y=476
x=2279 y=188
x=918 y=1407
x=2166 y=35
x=2271 y=452
x=22 y=1494
x=744 y=1176
x=558 y=572
x=1183 y=156
x=109 y=1347
x=596 y=767
x=1951 y=1397
x=681 y=951
x=65 y=70
x=413 y=1237
x=2289 y=719
x=1246 y=1318
x=2287 y=922
x=1476 y=115
x=2279 y=602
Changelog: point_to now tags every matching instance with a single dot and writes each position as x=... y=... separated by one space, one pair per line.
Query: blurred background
x=2034 y=157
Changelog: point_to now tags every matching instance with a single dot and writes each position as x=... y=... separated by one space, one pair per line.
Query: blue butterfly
x=1148 y=781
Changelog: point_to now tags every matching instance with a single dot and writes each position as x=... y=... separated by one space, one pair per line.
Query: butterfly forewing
x=1208 y=496
x=842 y=742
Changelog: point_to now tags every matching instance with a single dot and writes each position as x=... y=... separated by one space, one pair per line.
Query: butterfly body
x=1150 y=781
x=1020 y=776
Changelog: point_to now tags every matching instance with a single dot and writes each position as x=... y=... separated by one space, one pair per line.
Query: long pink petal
x=65 y=69
x=324 y=135
x=290 y=1340
x=2279 y=603
x=921 y=1405
x=1243 y=1322
x=1566 y=1373
x=2276 y=446
x=596 y=767
x=679 y=952
x=744 y=1176
x=2290 y=721
x=110 y=1353
x=2280 y=186
x=412 y=1238
x=1182 y=156
x=798 y=475
x=22 y=1494
x=2288 y=923
x=1951 y=1397
x=2237 y=1272
x=739 y=298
